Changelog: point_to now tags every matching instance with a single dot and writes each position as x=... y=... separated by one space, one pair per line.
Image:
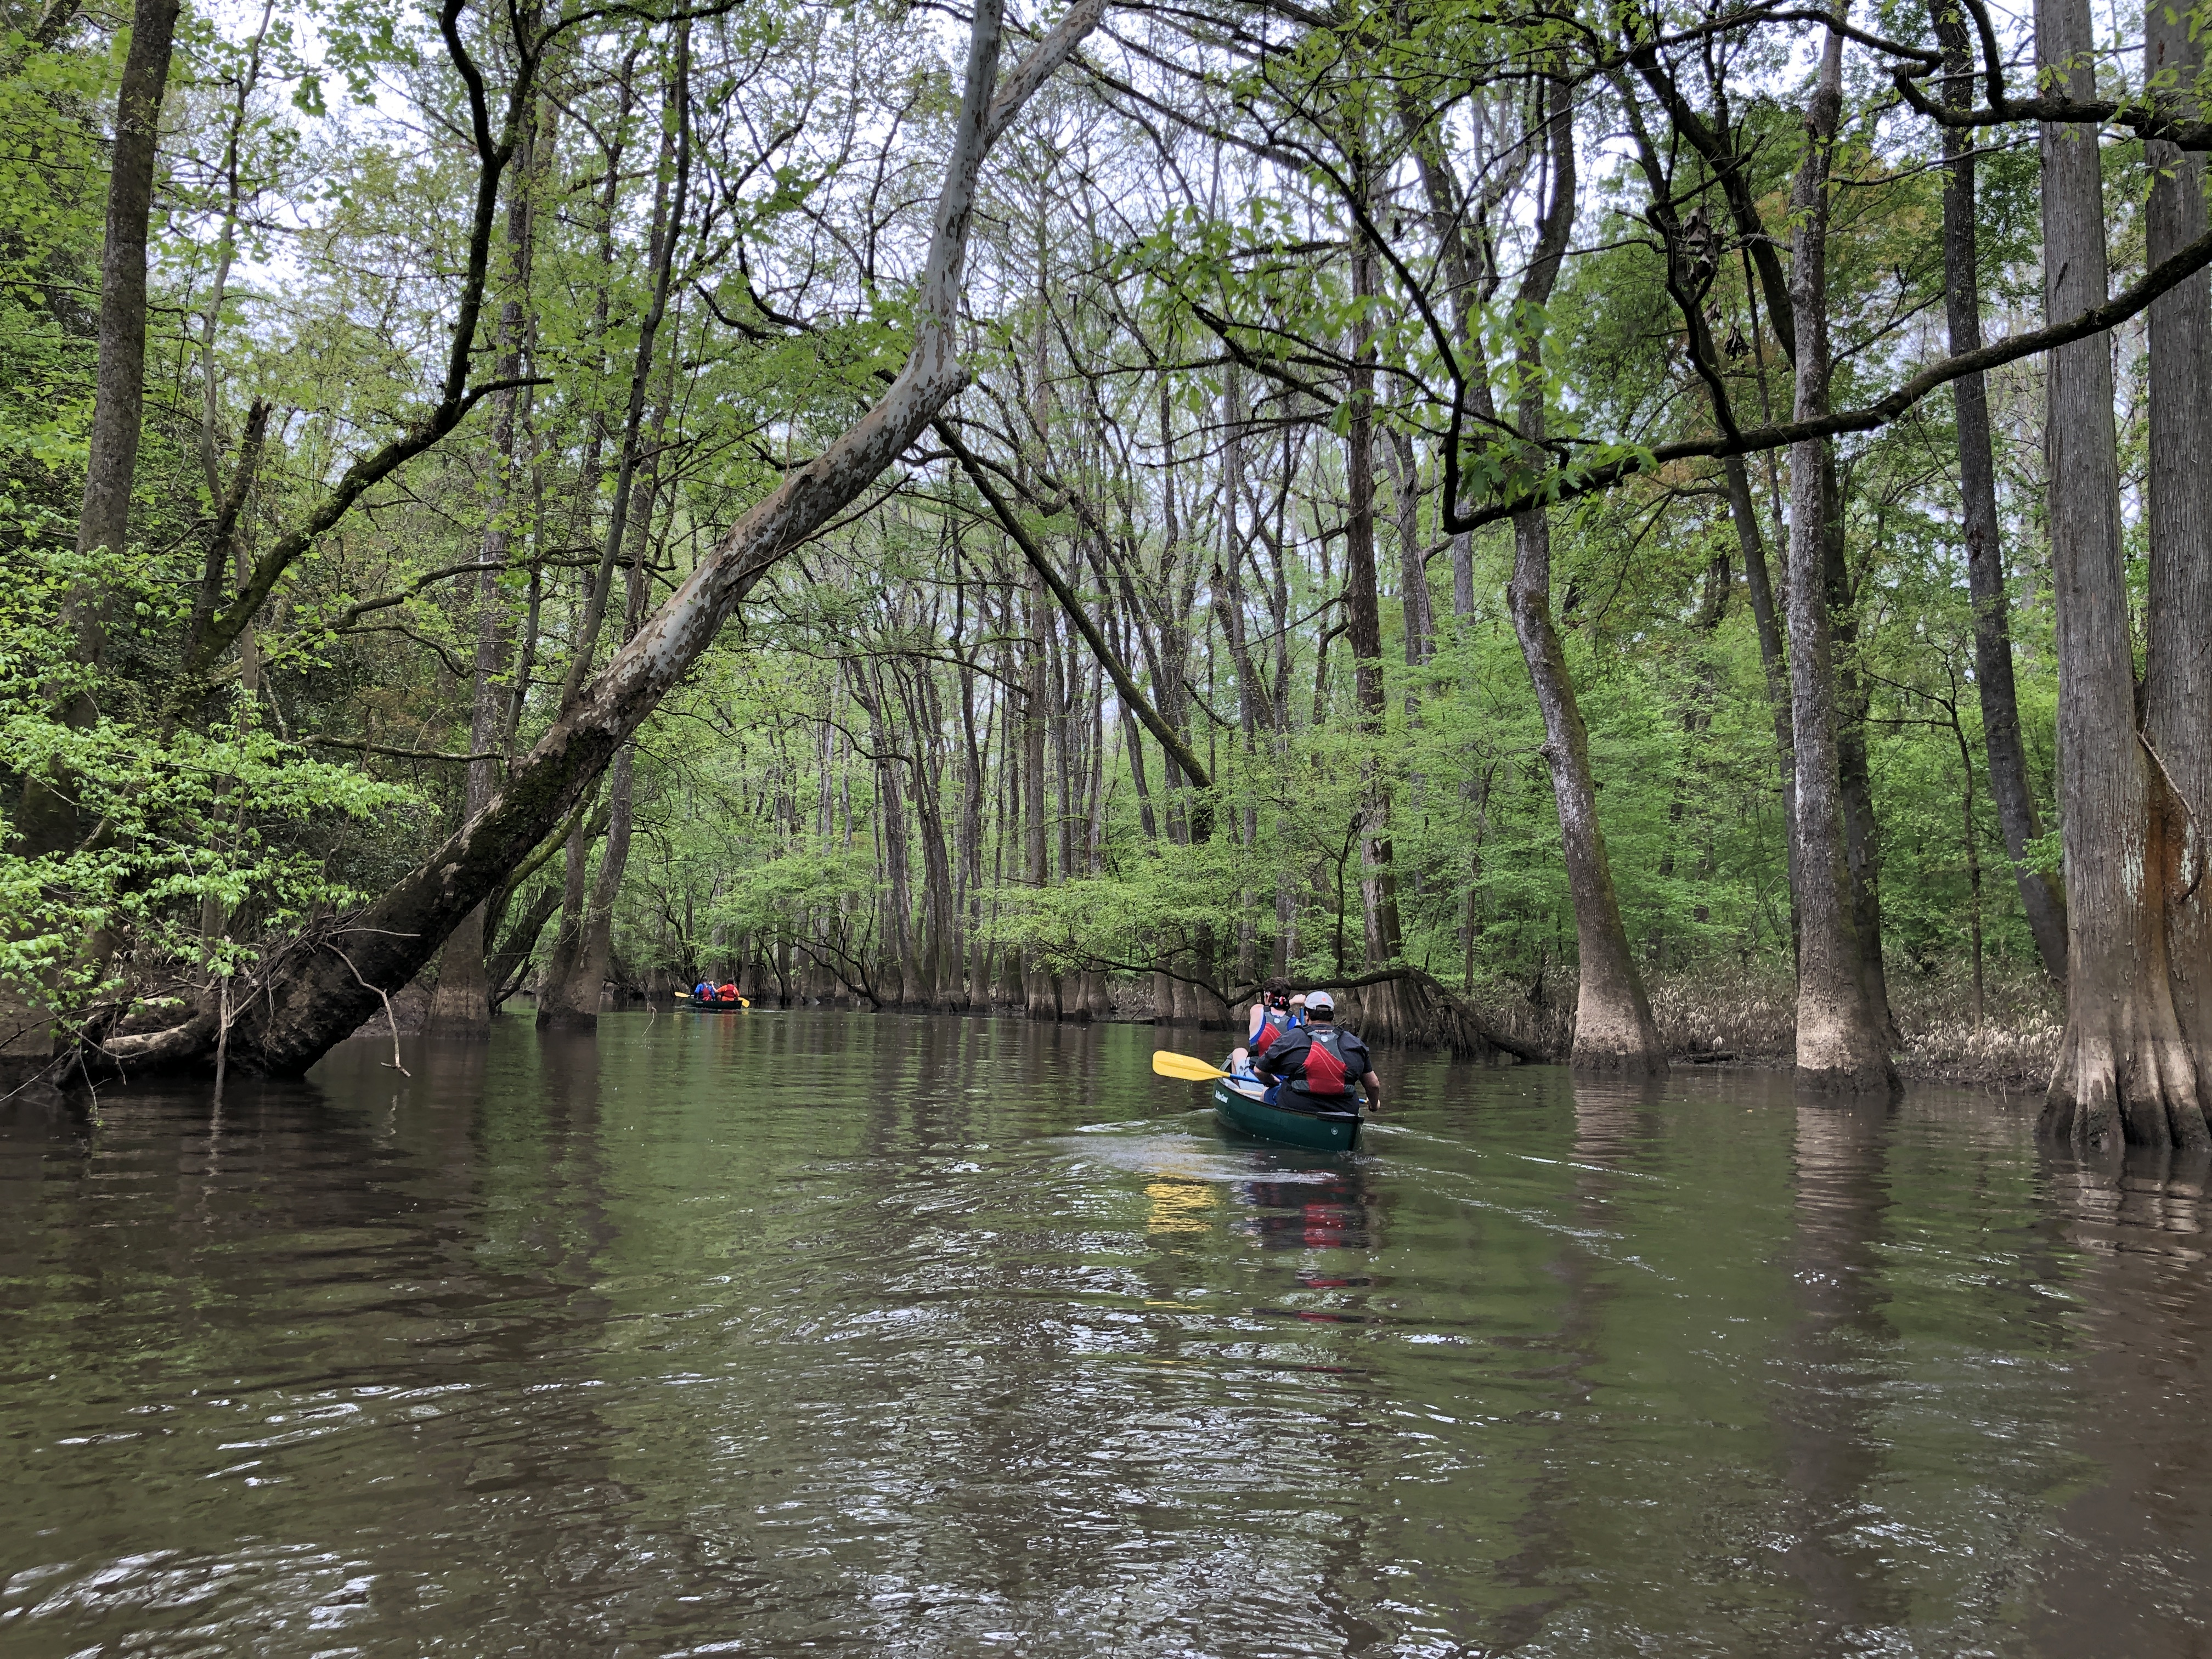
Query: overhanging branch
x=1561 y=485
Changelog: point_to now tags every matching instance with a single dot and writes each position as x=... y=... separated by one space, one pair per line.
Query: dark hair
x=1275 y=993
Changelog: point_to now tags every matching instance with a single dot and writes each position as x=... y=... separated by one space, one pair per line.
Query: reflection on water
x=780 y=1333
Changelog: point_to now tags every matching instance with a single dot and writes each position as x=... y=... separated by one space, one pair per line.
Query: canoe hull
x=1243 y=1109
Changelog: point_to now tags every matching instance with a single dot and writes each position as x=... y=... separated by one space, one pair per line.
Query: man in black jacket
x=1318 y=1061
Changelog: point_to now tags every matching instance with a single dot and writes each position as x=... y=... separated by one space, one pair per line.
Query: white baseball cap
x=1320 y=1000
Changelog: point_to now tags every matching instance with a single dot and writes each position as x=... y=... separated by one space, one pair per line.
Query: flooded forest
x=1624 y=534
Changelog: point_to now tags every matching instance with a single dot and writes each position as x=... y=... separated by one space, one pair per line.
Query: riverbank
x=1710 y=1015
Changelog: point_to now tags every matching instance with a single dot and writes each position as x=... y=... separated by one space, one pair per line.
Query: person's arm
x=1259 y=1018
x=1276 y=1061
x=1373 y=1085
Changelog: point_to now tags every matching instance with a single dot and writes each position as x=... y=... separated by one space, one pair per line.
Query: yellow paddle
x=1189 y=1067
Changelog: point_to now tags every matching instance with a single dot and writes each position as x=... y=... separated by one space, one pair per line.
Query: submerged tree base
x=2123 y=1078
x=1840 y=1050
x=1614 y=1033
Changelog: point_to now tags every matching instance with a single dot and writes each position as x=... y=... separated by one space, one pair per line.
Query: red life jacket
x=1323 y=1070
x=1272 y=1024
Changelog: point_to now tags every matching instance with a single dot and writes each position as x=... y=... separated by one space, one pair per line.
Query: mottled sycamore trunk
x=2124 y=1072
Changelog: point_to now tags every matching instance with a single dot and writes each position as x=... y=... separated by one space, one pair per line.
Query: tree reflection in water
x=1834 y=1376
x=2141 y=1314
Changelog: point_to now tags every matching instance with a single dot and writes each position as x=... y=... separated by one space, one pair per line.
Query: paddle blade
x=1186 y=1067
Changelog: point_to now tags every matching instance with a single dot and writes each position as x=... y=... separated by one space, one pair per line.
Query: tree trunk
x=937 y=955
x=1841 y=1043
x=571 y=1002
x=970 y=898
x=1614 y=1028
x=2178 y=665
x=668 y=226
x=2040 y=896
x=1378 y=880
x=895 y=939
x=2123 y=1071
x=505 y=969
x=1854 y=771
x=1773 y=659
x=1040 y=994
x=47 y=821
x=1412 y=569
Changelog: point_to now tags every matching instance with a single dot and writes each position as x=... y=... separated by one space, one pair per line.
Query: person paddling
x=1317 y=1062
x=1271 y=1017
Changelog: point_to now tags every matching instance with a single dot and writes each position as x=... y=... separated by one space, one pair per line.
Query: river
x=783 y=1333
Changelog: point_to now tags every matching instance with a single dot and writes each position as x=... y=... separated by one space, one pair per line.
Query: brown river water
x=810 y=1332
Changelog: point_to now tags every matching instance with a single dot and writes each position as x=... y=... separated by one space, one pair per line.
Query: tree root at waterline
x=1407 y=1005
x=2124 y=1077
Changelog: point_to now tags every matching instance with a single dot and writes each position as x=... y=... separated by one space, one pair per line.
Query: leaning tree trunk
x=2178 y=666
x=2123 y=1071
x=1841 y=1043
x=336 y=979
x=1614 y=1028
x=2040 y=897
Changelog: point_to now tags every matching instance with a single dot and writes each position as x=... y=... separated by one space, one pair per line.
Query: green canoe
x=1237 y=1103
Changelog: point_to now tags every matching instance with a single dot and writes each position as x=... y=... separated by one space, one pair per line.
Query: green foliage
x=900 y=760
